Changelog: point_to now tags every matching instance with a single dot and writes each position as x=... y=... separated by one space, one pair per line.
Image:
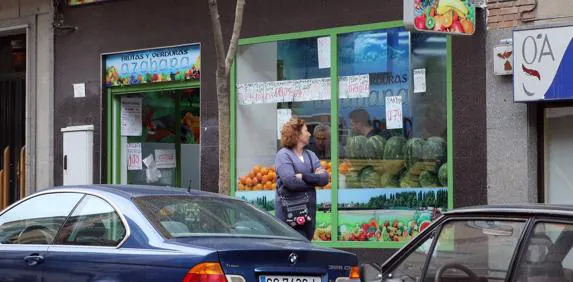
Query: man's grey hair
x=321 y=128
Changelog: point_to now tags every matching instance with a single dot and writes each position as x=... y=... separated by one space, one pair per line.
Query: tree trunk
x=224 y=63
x=224 y=132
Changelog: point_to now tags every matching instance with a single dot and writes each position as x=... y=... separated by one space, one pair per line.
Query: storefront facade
x=545 y=57
x=26 y=97
x=414 y=89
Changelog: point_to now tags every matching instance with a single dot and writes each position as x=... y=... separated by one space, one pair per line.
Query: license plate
x=275 y=278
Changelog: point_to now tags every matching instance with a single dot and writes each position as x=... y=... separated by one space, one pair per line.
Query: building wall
x=513 y=129
x=37 y=15
x=120 y=25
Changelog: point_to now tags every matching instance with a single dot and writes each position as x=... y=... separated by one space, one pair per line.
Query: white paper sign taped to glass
x=134 y=159
x=419 y=80
x=301 y=90
x=165 y=158
x=131 y=124
x=394 y=112
x=283 y=116
x=323 y=44
x=543 y=64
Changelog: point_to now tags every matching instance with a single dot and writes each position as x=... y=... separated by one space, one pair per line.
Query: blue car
x=140 y=233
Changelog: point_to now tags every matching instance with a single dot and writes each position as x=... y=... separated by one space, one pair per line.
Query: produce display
x=259 y=178
x=378 y=163
x=262 y=178
x=388 y=229
x=456 y=16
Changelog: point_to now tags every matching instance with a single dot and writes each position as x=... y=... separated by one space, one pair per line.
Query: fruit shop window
x=392 y=137
x=277 y=81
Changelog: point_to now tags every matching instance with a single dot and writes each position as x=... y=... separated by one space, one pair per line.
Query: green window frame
x=334 y=33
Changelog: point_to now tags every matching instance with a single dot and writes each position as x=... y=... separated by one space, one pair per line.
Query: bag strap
x=310 y=159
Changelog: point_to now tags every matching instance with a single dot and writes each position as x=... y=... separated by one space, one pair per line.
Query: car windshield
x=179 y=216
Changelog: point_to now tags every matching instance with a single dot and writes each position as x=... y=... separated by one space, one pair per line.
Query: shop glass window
x=37 y=220
x=167 y=149
x=392 y=133
x=277 y=81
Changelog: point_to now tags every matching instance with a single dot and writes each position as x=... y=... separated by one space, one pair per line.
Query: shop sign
x=543 y=64
x=503 y=59
x=83 y=2
x=301 y=90
x=182 y=63
x=456 y=17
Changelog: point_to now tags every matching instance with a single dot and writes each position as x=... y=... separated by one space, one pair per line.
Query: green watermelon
x=394 y=148
x=352 y=180
x=358 y=147
x=389 y=180
x=409 y=181
x=443 y=175
x=375 y=147
x=413 y=151
x=369 y=178
x=428 y=179
x=349 y=148
x=435 y=150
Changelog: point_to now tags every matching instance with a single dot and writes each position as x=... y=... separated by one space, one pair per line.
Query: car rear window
x=178 y=216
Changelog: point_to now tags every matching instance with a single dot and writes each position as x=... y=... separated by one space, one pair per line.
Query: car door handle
x=33 y=259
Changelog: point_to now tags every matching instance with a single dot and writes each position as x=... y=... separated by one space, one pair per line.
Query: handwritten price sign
x=134 y=156
x=394 y=112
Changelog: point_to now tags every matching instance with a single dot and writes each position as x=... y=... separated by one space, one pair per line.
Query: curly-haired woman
x=298 y=172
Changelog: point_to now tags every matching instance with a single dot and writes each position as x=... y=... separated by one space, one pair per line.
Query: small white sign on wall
x=79 y=90
x=503 y=59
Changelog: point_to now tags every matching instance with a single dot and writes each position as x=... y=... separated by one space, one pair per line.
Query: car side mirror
x=370 y=272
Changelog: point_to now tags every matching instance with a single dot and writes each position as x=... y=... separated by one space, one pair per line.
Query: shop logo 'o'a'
x=536 y=56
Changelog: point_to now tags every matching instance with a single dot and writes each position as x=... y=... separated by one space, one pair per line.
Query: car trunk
x=252 y=257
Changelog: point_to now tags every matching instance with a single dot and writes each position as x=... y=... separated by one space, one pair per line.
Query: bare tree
x=224 y=63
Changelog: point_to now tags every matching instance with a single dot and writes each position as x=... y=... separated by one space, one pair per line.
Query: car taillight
x=205 y=272
x=354 y=273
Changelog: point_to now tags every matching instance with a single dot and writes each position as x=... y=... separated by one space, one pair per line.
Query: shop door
x=559 y=155
x=12 y=136
x=12 y=117
x=159 y=142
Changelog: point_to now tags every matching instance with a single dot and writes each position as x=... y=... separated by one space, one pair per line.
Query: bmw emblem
x=292 y=258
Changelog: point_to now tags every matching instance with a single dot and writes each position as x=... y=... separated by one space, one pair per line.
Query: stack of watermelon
x=360 y=147
x=406 y=163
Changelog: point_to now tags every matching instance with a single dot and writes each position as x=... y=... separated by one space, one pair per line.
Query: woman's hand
x=319 y=170
x=298 y=176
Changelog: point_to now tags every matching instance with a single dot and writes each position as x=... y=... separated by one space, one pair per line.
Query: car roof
x=134 y=191
x=528 y=209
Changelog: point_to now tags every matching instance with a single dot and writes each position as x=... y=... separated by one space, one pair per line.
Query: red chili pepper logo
x=531 y=72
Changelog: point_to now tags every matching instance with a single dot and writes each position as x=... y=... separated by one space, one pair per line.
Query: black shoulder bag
x=296 y=207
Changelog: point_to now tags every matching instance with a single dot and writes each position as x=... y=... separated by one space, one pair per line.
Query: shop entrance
x=156 y=135
x=154 y=116
x=558 y=155
x=12 y=117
